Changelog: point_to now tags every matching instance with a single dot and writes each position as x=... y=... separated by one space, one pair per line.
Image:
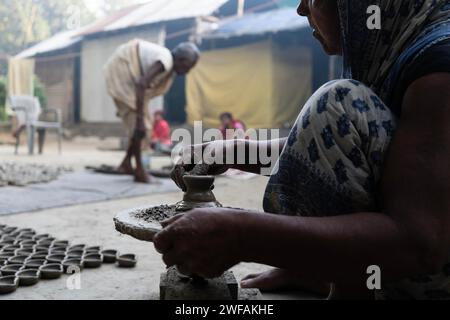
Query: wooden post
x=241 y=8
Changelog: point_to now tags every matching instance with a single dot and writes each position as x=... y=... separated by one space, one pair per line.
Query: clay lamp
x=28 y=243
x=71 y=263
x=199 y=193
x=109 y=256
x=77 y=247
x=28 y=277
x=127 y=261
x=95 y=249
x=35 y=263
x=17 y=259
x=11 y=248
x=8 y=284
x=9 y=230
x=92 y=260
x=60 y=244
x=75 y=254
x=57 y=250
x=7 y=255
x=51 y=271
x=8 y=241
x=41 y=250
x=24 y=252
x=27 y=230
x=11 y=269
x=47 y=242
x=38 y=256
x=55 y=258
x=25 y=236
x=41 y=236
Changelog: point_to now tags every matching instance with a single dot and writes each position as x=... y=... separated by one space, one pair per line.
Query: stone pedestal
x=174 y=287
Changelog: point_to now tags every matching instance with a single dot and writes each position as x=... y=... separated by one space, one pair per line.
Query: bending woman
x=364 y=177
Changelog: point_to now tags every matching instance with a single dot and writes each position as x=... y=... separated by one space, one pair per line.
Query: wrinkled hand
x=204 y=242
x=191 y=156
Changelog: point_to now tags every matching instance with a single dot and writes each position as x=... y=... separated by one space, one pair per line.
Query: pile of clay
x=22 y=174
x=27 y=257
x=155 y=214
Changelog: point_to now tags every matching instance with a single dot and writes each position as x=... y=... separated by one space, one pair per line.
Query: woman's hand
x=191 y=156
x=204 y=242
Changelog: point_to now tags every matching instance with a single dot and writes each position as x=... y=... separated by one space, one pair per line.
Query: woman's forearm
x=334 y=249
x=250 y=156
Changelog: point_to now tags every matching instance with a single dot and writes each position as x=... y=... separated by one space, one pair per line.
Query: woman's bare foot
x=279 y=279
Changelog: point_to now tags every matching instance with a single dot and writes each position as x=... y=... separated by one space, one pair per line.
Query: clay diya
x=7 y=255
x=60 y=244
x=28 y=277
x=41 y=250
x=27 y=230
x=55 y=258
x=75 y=254
x=18 y=259
x=9 y=230
x=127 y=261
x=46 y=243
x=109 y=256
x=38 y=256
x=11 y=248
x=24 y=252
x=76 y=247
x=68 y=264
x=35 y=263
x=24 y=236
x=92 y=260
x=51 y=271
x=28 y=243
x=94 y=249
x=41 y=236
x=57 y=250
x=8 y=284
x=11 y=269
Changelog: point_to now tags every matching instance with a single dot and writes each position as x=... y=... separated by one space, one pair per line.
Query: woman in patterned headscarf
x=363 y=178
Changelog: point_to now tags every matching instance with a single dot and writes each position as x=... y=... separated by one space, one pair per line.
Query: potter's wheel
x=144 y=223
x=128 y=222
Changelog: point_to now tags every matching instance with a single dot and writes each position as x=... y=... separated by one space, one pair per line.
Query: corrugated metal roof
x=157 y=11
x=60 y=41
x=259 y=23
x=136 y=15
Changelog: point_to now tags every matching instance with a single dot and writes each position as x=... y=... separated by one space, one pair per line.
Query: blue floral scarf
x=408 y=28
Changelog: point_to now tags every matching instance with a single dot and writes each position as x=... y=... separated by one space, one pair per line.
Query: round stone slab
x=127 y=223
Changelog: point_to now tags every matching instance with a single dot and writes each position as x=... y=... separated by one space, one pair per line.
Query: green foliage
x=39 y=92
x=26 y=22
x=2 y=98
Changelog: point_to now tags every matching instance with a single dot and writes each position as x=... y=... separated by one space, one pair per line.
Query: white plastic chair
x=28 y=112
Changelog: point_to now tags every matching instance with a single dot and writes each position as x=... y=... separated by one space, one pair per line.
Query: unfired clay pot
x=199 y=193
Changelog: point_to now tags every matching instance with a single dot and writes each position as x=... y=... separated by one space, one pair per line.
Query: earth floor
x=93 y=224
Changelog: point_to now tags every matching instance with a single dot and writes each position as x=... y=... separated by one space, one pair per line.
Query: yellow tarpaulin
x=260 y=84
x=20 y=78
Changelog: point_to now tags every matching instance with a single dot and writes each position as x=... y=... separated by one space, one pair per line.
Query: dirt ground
x=92 y=224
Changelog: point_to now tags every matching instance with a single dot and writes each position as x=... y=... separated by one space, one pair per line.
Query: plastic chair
x=29 y=114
